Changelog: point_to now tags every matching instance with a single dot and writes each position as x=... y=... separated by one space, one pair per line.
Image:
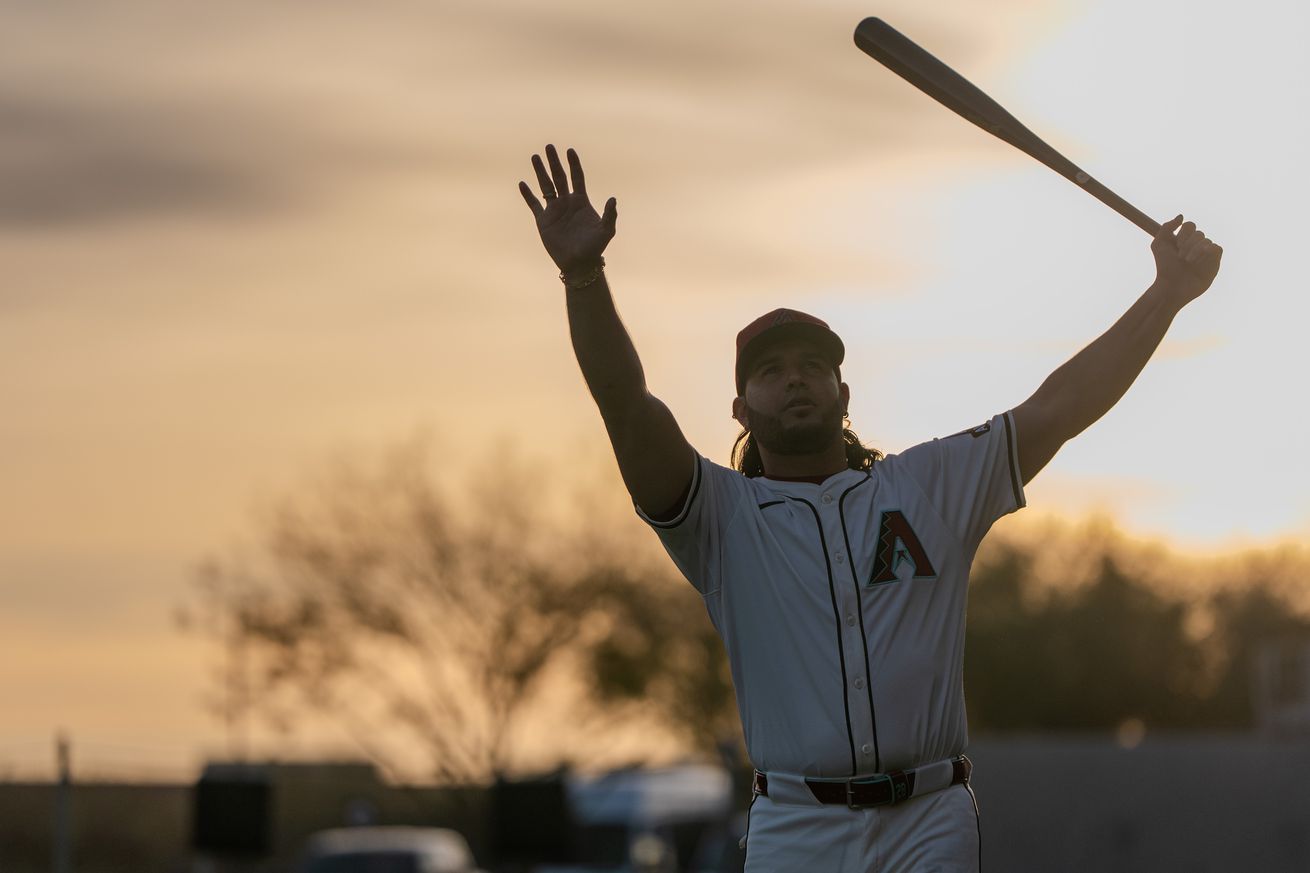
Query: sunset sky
x=240 y=239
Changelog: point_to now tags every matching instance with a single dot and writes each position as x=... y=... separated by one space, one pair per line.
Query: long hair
x=746 y=454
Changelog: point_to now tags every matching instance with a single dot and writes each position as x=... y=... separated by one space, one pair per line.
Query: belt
x=882 y=789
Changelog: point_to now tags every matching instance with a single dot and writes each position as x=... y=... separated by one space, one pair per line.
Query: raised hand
x=1186 y=263
x=573 y=234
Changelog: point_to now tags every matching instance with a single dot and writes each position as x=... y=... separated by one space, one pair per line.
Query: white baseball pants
x=934 y=833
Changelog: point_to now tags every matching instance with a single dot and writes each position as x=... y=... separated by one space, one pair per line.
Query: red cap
x=784 y=324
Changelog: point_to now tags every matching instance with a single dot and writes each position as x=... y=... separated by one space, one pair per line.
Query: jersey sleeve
x=971 y=478
x=693 y=537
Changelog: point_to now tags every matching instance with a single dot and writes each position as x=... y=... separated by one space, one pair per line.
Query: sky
x=238 y=240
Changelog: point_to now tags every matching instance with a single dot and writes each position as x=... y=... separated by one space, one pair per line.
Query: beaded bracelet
x=584 y=281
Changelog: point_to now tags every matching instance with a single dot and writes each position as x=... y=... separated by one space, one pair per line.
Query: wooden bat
x=905 y=58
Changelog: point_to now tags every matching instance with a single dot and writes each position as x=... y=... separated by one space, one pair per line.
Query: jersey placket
x=850 y=626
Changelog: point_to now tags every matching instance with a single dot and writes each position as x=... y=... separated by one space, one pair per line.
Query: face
x=793 y=403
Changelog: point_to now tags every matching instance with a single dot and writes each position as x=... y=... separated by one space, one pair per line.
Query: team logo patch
x=898 y=544
x=976 y=432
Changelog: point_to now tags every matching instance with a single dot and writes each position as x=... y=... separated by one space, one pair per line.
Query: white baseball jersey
x=841 y=605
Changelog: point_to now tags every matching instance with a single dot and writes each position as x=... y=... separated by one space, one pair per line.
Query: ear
x=844 y=392
x=739 y=411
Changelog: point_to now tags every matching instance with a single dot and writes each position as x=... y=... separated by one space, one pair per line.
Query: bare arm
x=654 y=457
x=1090 y=383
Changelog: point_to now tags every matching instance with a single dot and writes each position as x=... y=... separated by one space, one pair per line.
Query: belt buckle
x=850 y=790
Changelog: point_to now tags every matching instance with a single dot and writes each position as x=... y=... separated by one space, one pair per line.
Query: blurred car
x=387 y=850
x=644 y=820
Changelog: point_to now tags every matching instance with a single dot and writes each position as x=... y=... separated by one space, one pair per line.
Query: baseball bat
x=905 y=58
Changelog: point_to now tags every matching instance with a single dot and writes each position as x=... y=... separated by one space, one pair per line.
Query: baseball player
x=837 y=577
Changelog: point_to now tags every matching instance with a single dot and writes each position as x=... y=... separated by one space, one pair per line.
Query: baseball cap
x=782 y=324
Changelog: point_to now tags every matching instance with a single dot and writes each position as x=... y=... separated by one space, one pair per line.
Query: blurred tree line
x=1120 y=645
x=480 y=623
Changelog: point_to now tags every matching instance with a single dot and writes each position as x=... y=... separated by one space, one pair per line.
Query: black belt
x=884 y=789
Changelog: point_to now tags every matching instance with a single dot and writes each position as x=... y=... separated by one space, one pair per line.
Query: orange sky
x=236 y=239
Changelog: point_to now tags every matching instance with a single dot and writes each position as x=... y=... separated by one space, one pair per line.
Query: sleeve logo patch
x=976 y=432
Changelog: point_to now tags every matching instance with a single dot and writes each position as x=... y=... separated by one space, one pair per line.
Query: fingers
x=575 y=167
x=611 y=215
x=1170 y=226
x=1199 y=248
x=532 y=201
x=556 y=184
x=1185 y=233
x=1187 y=239
x=1164 y=240
x=557 y=170
x=547 y=186
x=1190 y=243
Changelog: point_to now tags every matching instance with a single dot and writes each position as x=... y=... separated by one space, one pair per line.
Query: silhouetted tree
x=461 y=624
x=662 y=652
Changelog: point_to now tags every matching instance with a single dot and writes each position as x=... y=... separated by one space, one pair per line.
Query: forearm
x=603 y=348
x=1088 y=384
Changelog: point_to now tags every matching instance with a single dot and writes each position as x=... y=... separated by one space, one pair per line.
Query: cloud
x=260 y=108
x=72 y=163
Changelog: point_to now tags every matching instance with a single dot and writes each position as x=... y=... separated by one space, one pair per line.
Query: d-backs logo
x=897 y=543
x=975 y=432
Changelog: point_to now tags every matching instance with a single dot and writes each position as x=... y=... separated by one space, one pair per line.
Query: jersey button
x=859 y=682
x=827 y=498
x=841 y=558
x=867 y=749
x=850 y=619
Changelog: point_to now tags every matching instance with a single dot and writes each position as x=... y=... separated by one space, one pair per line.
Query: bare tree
x=457 y=620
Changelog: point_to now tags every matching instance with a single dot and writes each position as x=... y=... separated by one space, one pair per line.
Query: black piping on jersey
x=859 y=607
x=1009 y=457
x=836 y=617
x=686 y=507
x=771 y=503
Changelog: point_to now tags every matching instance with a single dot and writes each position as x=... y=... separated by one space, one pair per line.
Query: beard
x=809 y=436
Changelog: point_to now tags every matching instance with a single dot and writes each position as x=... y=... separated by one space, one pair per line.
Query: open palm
x=573 y=233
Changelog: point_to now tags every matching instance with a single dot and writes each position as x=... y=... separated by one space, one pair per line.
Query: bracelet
x=584 y=281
